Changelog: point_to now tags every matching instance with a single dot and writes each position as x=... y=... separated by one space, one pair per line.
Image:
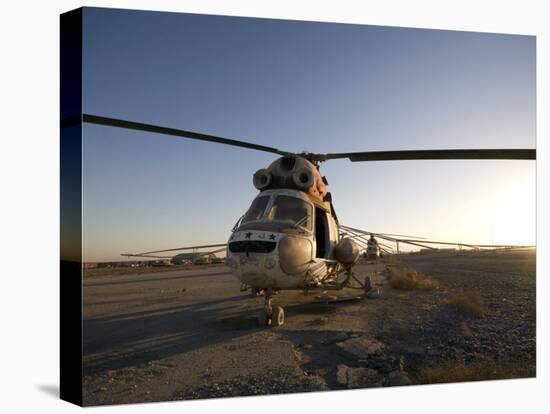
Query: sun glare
x=514 y=219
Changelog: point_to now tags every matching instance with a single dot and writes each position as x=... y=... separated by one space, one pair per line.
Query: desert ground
x=186 y=333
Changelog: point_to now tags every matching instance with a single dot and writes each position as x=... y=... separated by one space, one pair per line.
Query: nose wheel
x=273 y=316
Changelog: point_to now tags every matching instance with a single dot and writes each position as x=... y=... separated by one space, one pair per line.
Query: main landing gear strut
x=273 y=316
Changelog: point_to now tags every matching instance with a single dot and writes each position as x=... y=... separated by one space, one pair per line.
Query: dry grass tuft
x=460 y=372
x=407 y=279
x=469 y=303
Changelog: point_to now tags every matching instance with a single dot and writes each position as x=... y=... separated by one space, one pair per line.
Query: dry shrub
x=469 y=303
x=466 y=332
x=407 y=279
x=460 y=372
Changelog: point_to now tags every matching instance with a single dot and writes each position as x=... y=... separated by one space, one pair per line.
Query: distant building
x=161 y=263
x=195 y=258
x=444 y=250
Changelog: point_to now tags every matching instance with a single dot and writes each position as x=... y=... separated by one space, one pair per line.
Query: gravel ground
x=192 y=334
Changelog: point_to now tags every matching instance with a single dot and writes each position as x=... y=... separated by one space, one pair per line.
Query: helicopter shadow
x=135 y=338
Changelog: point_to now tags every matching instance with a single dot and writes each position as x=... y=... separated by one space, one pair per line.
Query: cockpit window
x=291 y=209
x=256 y=210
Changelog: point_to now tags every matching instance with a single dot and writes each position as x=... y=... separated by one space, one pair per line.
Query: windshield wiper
x=237 y=224
x=300 y=222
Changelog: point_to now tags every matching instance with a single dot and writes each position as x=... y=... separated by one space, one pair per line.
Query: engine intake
x=262 y=179
x=303 y=178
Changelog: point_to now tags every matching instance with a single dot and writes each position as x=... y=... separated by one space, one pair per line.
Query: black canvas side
x=71 y=208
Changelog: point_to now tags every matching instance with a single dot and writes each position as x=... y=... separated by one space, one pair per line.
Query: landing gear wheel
x=268 y=309
x=272 y=316
x=278 y=317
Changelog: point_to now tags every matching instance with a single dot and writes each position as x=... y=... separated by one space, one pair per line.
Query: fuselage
x=289 y=238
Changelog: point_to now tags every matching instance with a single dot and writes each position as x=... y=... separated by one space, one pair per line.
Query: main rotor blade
x=368 y=233
x=444 y=154
x=138 y=126
x=427 y=242
x=400 y=235
x=146 y=255
x=170 y=257
x=409 y=241
x=207 y=246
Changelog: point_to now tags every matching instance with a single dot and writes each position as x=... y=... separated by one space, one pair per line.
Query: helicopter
x=290 y=236
x=373 y=250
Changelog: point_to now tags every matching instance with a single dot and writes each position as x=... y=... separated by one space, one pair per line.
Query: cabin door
x=321 y=233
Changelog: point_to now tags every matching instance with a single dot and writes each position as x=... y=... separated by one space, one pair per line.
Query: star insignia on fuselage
x=272 y=237
x=248 y=235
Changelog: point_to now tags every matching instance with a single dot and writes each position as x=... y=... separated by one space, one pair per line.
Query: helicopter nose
x=295 y=254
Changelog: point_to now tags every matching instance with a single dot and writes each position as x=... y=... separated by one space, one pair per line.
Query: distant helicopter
x=373 y=250
x=290 y=237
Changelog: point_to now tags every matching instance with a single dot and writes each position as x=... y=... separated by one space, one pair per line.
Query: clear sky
x=301 y=86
